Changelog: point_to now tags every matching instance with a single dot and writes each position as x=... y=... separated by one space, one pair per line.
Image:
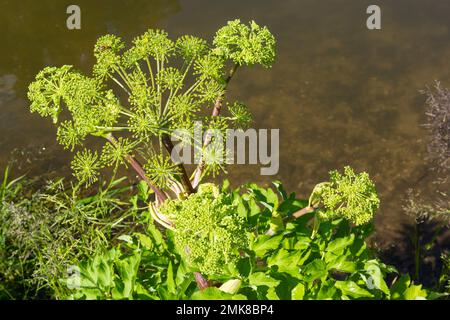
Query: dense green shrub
x=304 y=259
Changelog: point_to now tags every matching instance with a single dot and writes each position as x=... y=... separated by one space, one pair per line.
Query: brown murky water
x=340 y=94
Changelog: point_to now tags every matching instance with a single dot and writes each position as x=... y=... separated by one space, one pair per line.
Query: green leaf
x=156 y=234
x=144 y=240
x=415 y=292
x=351 y=289
x=298 y=292
x=399 y=287
x=272 y=198
x=302 y=243
x=171 y=286
x=262 y=279
x=339 y=244
x=276 y=222
x=126 y=238
x=326 y=292
x=279 y=186
x=272 y=294
x=341 y=263
x=286 y=261
x=244 y=267
x=213 y=293
x=127 y=269
x=376 y=279
x=316 y=269
x=265 y=243
x=143 y=190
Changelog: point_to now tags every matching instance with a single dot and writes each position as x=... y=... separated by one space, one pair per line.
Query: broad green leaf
x=272 y=294
x=241 y=209
x=213 y=293
x=298 y=292
x=244 y=267
x=399 y=287
x=351 y=289
x=156 y=234
x=144 y=240
x=143 y=294
x=276 y=222
x=182 y=273
x=304 y=257
x=415 y=292
x=272 y=198
x=171 y=286
x=302 y=243
x=127 y=269
x=341 y=263
x=262 y=279
x=266 y=243
x=286 y=261
x=316 y=269
x=326 y=292
x=254 y=208
x=375 y=279
x=339 y=244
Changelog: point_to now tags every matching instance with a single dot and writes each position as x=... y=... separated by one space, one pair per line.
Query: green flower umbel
x=208 y=231
x=349 y=195
x=246 y=45
x=86 y=166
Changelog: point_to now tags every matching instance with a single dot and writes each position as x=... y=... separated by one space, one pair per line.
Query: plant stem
x=301 y=213
x=160 y=196
x=296 y=215
x=216 y=112
x=120 y=84
x=416 y=251
x=150 y=71
x=202 y=283
x=184 y=177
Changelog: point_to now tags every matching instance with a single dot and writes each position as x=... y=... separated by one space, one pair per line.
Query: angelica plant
x=167 y=84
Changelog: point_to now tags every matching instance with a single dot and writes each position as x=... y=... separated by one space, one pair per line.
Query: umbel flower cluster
x=209 y=232
x=349 y=195
x=136 y=96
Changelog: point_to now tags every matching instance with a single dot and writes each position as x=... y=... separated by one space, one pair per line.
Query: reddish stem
x=301 y=213
x=202 y=283
x=208 y=138
x=160 y=196
x=184 y=177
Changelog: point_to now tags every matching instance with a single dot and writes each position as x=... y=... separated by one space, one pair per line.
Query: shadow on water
x=433 y=239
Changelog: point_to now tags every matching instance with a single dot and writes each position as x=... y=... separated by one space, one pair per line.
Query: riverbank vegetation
x=171 y=235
